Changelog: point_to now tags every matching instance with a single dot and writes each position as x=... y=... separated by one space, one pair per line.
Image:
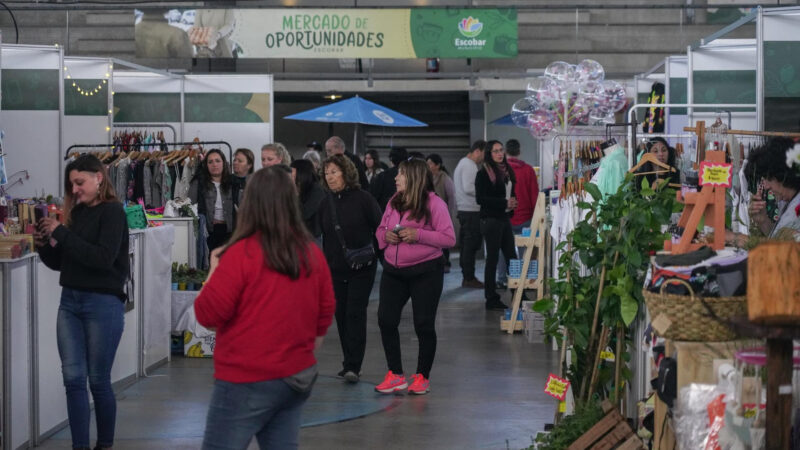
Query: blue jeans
x=88 y=329
x=502 y=269
x=268 y=410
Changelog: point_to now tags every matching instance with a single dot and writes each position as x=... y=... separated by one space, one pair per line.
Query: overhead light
x=333 y=97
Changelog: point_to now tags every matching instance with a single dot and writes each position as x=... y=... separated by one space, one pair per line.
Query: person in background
x=372 y=162
x=243 y=162
x=494 y=192
x=469 y=212
x=445 y=189
x=417 y=155
x=526 y=192
x=313 y=156
x=383 y=188
x=316 y=146
x=311 y=195
x=415 y=227
x=335 y=146
x=212 y=190
x=275 y=153
x=91 y=252
x=270 y=299
x=357 y=214
x=767 y=169
x=665 y=154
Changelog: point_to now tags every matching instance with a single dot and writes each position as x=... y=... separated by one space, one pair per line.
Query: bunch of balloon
x=568 y=95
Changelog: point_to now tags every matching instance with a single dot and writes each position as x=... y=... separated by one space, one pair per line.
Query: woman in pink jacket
x=416 y=226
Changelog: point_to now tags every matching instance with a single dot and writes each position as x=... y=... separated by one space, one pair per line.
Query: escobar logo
x=470 y=28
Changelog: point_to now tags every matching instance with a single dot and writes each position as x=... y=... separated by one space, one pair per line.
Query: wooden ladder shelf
x=536 y=241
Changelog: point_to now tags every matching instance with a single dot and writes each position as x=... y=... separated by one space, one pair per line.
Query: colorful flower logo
x=470 y=27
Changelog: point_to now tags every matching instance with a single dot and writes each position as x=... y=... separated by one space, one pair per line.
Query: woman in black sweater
x=358 y=216
x=494 y=191
x=91 y=251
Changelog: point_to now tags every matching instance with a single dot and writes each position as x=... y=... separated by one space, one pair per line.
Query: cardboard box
x=199 y=347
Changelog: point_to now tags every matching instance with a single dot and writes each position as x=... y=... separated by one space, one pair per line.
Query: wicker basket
x=690 y=317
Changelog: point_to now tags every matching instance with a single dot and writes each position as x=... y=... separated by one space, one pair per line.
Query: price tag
x=556 y=387
x=716 y=174
x=562 y=406
x=661 y=324
x=607 y=355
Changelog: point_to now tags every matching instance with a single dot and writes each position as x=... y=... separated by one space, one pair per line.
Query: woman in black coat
x=494 y=191
x=311 y=195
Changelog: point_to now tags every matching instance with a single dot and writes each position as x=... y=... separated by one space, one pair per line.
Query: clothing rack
x=147 y=125
x=171 y=144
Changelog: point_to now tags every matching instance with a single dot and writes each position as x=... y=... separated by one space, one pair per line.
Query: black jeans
x=499 y=237
x=470 y=237
x=423 y=283
x=217 y=237
x=352 y=299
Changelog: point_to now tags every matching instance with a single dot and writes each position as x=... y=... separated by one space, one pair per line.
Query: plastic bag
x=691 y=415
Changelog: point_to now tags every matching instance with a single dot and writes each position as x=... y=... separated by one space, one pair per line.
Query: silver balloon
x=521 y=109
x=560 y=70
x=615 y=95
x=589 y=70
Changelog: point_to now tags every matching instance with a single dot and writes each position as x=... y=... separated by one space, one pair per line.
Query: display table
x=33 y=401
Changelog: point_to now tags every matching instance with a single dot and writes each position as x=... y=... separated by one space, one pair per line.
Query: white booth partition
x=780 y=41
x=148 y=98
x=87 y=102
x=724 y=72
x=232 y=108
x=17 y=343
x=677 y=73
x=30 y=118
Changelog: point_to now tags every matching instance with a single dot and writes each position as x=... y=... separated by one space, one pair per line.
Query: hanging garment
x=611 y=174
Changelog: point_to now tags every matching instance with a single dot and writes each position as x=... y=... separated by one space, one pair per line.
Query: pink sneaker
x=392 y=383
x=420 y=385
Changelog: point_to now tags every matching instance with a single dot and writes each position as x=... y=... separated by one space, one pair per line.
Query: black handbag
x=358 y=258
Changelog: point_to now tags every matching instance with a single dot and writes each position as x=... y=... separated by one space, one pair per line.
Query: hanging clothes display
x=613 y=167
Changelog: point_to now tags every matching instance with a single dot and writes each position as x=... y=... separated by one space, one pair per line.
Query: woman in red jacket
x=269 y=296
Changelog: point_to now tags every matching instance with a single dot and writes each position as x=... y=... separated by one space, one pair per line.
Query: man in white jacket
x=469 y=212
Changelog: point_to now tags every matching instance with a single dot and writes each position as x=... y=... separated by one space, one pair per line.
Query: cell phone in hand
x=397 y=228
x=39 y=212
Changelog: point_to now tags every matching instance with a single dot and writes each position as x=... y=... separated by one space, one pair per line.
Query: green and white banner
x=329 y=33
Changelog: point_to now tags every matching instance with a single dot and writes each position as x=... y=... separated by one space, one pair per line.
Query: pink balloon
x=615 y=94
x=589 y=70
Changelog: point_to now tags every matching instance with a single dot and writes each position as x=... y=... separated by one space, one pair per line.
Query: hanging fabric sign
x=327 y=33
x=715 y=174
x=556 y=387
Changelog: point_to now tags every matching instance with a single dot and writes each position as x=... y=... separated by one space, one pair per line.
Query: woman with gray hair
x=313 y=156
x=275 y=153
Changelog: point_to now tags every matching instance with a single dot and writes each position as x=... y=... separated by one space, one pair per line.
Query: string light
x=90 y=91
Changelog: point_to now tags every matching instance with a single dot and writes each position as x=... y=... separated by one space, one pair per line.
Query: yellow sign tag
x=716 y=174
x=607 y=356
x=562 y=406
x=556 y=387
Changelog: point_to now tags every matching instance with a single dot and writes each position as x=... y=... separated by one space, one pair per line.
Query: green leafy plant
x=571 y=428
x=601 y=272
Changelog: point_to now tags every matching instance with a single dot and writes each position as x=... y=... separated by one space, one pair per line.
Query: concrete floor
x=486 y=391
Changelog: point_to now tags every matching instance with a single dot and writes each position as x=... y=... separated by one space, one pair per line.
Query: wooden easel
x=709 y=203
x=537 y=241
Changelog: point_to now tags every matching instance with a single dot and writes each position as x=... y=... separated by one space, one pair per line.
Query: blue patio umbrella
x=358 y=111
x=504 y=120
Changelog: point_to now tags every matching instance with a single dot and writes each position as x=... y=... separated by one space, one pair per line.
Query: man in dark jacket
x=383 y=186
x=335 y=146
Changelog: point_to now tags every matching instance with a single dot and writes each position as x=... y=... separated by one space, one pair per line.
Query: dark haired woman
x=372 y=162
x=212 y=189
x=659 y=147
x=242 y=165
x=767 y=169
x=91 y=251
x=446 y=190
x=349 y=217
x=415 y=227
x=269 y=296
x=311 y=195
x=494 y=192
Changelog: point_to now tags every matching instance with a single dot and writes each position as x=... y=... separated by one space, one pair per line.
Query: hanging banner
x=327 y=33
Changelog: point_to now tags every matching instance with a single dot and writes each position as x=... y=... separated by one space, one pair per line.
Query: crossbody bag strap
x=336 y=226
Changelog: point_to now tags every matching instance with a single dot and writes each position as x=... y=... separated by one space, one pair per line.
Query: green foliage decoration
x=620 y=231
